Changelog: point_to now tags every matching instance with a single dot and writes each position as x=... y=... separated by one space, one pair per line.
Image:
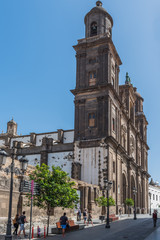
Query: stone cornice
x=140 y=116
x=80 y=48
x=107 y=86
x=49 y=149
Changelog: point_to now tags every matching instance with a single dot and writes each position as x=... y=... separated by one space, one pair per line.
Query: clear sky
x=38 y=67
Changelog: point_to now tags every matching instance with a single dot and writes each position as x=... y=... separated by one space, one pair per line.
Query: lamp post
x=134 y=192
x=24 y=164
x=150 y=203
x=108 y=186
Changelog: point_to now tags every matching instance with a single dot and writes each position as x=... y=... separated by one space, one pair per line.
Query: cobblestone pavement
x=128 y=229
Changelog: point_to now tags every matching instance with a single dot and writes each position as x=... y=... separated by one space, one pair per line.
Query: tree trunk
x=48 y=213
x=128 y=211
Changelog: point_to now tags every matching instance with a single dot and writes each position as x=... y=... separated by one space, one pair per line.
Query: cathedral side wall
x=34 y=159
x=92 y=160
x=61 y=159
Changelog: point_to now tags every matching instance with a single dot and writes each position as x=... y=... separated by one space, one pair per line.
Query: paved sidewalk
x=155 y=235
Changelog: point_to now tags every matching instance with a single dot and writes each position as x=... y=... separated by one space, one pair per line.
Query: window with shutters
x=92 y=120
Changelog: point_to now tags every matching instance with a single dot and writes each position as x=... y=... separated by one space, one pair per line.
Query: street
x=127 y=229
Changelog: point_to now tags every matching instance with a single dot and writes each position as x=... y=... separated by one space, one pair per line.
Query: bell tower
x=97 y=75
x=12 y=128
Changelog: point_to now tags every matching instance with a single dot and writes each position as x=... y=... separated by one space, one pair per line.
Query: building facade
x=154 y=196
x=109 y=139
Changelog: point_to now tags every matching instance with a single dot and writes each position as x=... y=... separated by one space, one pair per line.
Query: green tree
x=102 y=201
x=56 y=189
x=129 y=202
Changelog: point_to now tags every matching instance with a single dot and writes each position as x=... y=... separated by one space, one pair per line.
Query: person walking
x=85 y=215
x=16 y=224
x=63 y=222
x=90 y=218
x=120 y=211
x=154 y=216
x=79 y=215
x=22 y=222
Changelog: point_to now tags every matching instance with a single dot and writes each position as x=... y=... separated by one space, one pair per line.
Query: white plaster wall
x=60 y=159
x=68 y=137
x=134 y=152
x=48 y=135
x=34 y=160
x=2 y=142
x=25 y=139
x=154 y=203
x=124 y=124
x=89 y=158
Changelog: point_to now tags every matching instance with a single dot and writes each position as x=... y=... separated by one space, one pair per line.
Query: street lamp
x=107 y=186
x=134 y=192
x=24 y=164
x=150 y=203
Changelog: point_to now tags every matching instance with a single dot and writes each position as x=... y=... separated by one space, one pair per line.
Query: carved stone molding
x=80 y=55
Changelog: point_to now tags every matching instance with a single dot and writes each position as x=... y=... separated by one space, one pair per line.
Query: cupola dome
x=98 y=21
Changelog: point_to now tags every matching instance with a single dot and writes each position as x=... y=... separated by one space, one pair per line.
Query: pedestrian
x=79 y=215
x=154 y=216
x=120 y=211
x=16 y=224
x=85 y=215
x=90 y=218
x=22 y=222
x=63 y=222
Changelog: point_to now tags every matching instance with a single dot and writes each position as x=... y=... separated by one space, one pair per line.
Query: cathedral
x=109 y=139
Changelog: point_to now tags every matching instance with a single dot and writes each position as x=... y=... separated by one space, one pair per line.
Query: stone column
x=91 y=198
x=86 y=197
x=129 y=180
x=33 y=138
x=143 y=192
x=109 y=118
x=82 y=198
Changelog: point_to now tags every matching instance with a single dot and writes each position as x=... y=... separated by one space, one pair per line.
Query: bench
x=72 y=227
x=113 y=218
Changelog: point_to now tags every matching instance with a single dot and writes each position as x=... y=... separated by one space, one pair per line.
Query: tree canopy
x=102 y=201
x=129 y=202
x=56 y=189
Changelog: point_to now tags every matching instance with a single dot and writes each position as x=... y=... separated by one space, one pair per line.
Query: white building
x=154 y=196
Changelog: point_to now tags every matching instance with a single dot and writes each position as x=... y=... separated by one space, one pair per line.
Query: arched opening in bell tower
x=93 y=29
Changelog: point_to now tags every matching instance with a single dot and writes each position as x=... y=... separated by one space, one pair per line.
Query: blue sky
x=38 y=67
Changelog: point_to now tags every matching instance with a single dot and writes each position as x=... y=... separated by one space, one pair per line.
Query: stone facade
x=20 y=201
x=110 y=125
x=17 y=203
x=109 y=139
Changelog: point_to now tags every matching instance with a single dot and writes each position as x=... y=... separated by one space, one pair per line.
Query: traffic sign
x=26 y=187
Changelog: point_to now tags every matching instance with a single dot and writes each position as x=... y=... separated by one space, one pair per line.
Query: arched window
x=93 y=29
